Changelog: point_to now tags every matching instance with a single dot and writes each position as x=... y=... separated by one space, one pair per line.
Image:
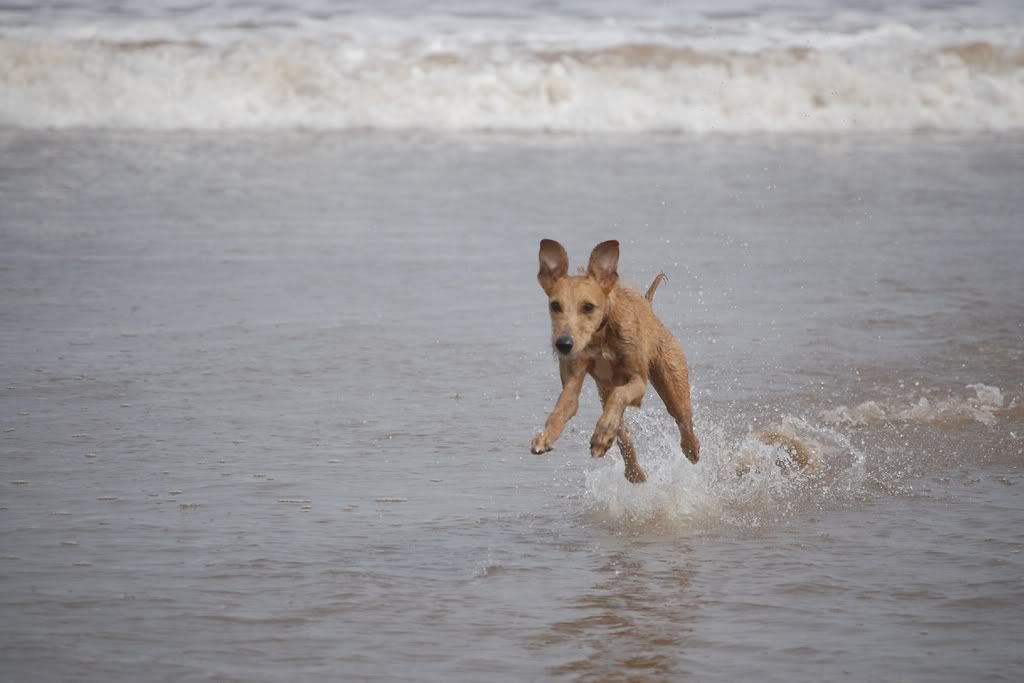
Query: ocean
x=272 y=348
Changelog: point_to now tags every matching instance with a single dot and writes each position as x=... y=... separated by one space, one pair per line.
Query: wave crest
x=349 y=82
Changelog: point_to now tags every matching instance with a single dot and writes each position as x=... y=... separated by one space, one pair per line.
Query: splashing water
x=740 y=480
x=743 y=481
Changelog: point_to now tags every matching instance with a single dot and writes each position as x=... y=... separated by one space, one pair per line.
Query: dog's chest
x=602 y=365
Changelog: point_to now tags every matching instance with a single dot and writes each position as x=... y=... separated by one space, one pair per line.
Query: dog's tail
x=658 y=279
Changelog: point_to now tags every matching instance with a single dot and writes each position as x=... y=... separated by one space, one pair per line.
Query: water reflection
x=635 y=623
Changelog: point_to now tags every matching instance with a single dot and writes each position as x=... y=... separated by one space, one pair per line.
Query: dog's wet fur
x=603 y=329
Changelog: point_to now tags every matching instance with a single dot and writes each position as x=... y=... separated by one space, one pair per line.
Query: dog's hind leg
x=671 y=380
x=801 y=454
x=634 y=473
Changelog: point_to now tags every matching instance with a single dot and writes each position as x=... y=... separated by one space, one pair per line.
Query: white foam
x=953 y=411
x=515 y=75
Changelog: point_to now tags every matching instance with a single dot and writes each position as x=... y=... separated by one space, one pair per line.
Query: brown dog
x=600 y=328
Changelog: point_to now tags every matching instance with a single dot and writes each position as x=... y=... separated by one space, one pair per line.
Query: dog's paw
x=601 y=441
x=691 y=448
x=634 y=474
x=539 y=444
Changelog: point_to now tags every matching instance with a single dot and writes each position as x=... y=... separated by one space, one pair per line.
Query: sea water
x=270 y=366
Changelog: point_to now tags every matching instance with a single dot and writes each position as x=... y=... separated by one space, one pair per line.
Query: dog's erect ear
x=554 y=264
x=604 y=263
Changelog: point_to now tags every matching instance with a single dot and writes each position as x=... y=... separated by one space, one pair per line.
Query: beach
x=267 y=394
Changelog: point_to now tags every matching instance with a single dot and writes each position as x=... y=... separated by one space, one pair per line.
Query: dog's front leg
x=621 y=396
x=573 y=373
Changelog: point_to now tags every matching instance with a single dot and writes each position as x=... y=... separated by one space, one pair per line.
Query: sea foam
x=987 y=407
x=376 y=74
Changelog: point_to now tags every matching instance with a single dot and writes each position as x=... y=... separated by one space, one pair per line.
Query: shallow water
x=266 y=404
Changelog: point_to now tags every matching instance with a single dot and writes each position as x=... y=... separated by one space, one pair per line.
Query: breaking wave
x=373 y=75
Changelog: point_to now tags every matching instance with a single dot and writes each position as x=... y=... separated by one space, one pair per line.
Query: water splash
x=877 y=447
x=739 y=481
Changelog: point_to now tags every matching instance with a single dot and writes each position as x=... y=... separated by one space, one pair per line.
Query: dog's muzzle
x=564 y=345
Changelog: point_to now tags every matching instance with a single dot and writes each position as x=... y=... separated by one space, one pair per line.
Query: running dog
x=606 y=330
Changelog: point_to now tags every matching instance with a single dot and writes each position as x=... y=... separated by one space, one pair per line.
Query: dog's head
x=578 y=303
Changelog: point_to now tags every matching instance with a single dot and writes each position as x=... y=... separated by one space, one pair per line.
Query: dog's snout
x=563 y=344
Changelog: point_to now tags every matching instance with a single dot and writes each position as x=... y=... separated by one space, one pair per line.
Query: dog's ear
x=554 y=264
x=604 y=263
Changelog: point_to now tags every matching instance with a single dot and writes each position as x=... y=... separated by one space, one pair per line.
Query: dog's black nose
x=563 y=344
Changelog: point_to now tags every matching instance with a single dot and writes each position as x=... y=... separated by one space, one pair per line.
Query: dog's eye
x=556 y=307
x=588 y=308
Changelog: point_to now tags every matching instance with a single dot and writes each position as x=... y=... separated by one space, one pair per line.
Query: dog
x=606 y=330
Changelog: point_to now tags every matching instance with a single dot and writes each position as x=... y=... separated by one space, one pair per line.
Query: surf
x=517 y=75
